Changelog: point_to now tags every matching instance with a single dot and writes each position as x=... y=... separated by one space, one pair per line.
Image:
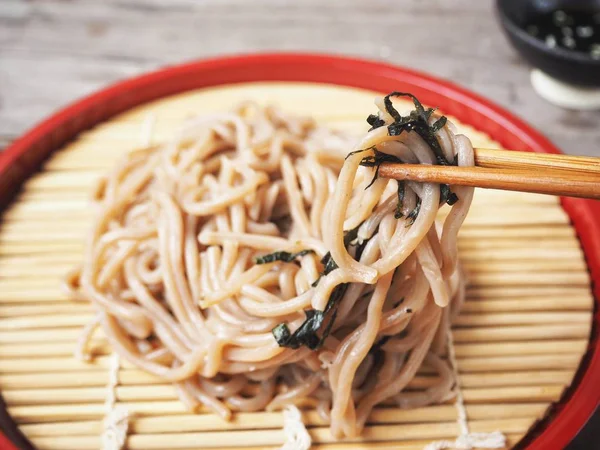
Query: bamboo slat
x=207 y=439
x=465 y=320
x=520 y=337
x=530 y=304
x=576 y=304
x=511 y=440
x=74 y=395
x=37 y=309
x=480 y=320
x=479 y=364
x=508 y=292
x=134 y=377
x=16 y=267
x=209 y=422
x=485 y=334
x=468 y=349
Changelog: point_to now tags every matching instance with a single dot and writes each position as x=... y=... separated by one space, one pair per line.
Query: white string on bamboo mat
x=466 y=440
x=82 y=352
x=116 y=420
x=294 y=431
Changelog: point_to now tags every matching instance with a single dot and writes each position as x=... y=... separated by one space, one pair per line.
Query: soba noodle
x=252 y=264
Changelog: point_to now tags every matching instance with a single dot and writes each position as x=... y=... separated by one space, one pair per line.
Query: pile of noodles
x=253 y=265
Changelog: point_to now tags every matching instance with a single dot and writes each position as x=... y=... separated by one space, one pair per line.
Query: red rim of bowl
x=25 y=155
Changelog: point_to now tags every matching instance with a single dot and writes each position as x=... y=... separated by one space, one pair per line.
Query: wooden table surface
x=53 y=52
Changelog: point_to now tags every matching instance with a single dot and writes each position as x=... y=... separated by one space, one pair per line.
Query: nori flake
x=417 y=121
x=316 y=320
x=281 y=256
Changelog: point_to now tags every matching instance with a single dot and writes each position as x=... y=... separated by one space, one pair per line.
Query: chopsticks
x=564 y=175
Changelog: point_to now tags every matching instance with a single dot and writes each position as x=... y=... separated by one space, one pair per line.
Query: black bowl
x=566 y=65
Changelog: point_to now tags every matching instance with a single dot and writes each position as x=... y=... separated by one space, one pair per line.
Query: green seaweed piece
x=281 y=256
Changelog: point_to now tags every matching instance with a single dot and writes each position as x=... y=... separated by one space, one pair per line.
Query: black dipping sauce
x=576 y=30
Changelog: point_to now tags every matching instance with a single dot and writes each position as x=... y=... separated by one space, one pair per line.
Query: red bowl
x=24 y=156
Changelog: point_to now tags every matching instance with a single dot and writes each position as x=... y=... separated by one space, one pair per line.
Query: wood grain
x=559 y=175
x=82 y=45
x=541 y=181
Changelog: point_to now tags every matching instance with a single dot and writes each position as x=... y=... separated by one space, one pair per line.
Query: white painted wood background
x=52 y=52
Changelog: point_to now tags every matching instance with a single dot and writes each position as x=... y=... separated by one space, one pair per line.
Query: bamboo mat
x=518 y=340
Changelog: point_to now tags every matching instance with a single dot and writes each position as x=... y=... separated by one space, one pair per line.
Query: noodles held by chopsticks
x=255 y=264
